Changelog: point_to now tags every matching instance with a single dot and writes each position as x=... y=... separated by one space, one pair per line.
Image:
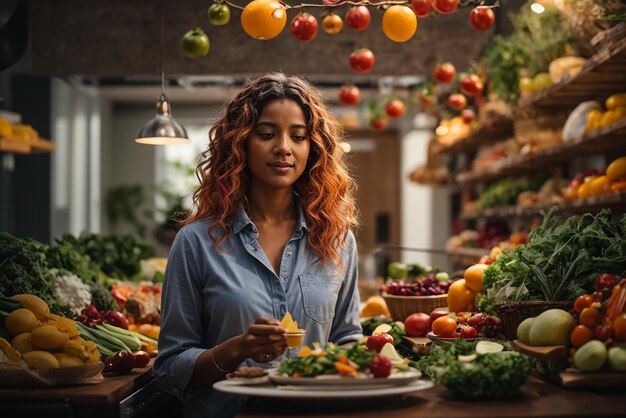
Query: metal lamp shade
x=162 y=129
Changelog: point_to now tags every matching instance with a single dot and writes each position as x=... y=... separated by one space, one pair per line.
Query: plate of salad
x=332 y=365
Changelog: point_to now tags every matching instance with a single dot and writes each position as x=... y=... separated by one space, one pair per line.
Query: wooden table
x=536 y=399
x=111 y=398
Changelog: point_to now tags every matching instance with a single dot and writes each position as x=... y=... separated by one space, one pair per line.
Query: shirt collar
x=242 y=220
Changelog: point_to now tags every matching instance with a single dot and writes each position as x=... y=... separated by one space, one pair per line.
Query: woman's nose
x=282 y=146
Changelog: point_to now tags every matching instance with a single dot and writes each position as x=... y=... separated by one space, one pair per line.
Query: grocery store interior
x=487 y=140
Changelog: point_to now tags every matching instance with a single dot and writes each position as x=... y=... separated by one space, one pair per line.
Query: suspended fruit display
x=358 y=17
x=482 y=18
x=304 y=27
x=349 y=95
x=471 y=85
x=195 y=43
x=219 y=14
x=395 y=108
x=362 y=60
x=332 y=24
x=457 y=101
x=444 y=73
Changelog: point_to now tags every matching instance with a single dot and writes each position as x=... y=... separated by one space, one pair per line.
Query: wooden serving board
x=421 y=345
x=544 y=353
x=575 y=379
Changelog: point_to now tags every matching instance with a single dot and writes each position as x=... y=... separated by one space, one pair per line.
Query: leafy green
x=314 y=365
x=489 y=376
x=101 y=297
x=560 y=261
x=24 y=269
x=505 y=192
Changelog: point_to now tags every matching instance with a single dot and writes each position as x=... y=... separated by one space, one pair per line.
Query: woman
x=270 y=234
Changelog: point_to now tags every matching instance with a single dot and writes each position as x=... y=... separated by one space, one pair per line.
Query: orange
x=580 y=336
x=584 y=190
x=474 y=277
x=600 y=185
x=617 y=169
x=263 y=19
x=460 y=298
x=374 y=306
x=619 y=326
x=443 y=326
x=399 y=23
x=589 y=317
x=582 y=302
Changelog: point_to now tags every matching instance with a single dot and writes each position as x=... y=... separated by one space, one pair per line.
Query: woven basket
x=514 y=312
x=402 y=306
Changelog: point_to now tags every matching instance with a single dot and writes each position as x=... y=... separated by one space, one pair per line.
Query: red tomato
x=457 y=101
x=395 y=108
x=468 y=116
x=467 y=331
x=380 y=366
x=304 y=26
x=426 y=97
x=379 y=123
x=421 y=8
x=605 y=281
x=471 y=85
x=476 y=321
x=376 y=342
x=349 y=95
x=358 y=17
x=582 y=302
x=444 y=73
x=445 y=6
x=482 y=18
x=362 y=60
x=438 y=313
x=417 y=324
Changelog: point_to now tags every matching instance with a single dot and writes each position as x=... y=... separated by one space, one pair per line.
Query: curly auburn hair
x=325 y=188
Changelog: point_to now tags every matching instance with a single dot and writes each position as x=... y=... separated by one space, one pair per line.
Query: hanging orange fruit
x=399 y=23
x=263 y=19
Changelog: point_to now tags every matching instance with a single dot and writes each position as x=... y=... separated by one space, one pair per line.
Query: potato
x=20 y=320
x=23 y=343
x=40 y=360
x=34 y=304
x=48 y=337
x=66 y=360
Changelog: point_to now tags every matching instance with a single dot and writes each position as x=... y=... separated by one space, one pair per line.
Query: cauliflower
x=71 y=291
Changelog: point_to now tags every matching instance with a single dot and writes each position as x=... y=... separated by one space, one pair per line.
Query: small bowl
x=295 y=339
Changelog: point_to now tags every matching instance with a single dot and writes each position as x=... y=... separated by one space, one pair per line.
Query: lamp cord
x=162 y=70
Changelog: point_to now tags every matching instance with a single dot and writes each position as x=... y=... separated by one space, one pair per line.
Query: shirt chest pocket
x=319 y=294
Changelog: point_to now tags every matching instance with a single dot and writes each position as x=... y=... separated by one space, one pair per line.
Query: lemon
x=263 y=19
x=399 y=23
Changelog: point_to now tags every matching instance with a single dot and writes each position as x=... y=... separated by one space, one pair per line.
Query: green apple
x=591 y=356
x=617 y=359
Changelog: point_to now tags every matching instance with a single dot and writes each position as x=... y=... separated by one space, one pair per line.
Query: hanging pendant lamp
x=162 y=129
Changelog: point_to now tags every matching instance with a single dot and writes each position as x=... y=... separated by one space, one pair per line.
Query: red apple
x=421 y=8
x=349 y=95
x=304 y=26
x=377 y=342
x=358 y=17
x=444 y=73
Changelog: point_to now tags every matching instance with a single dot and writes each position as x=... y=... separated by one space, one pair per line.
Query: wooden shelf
x=603 y=74
x=39 y=146
x=497 y=130
x=591 y=205
x=608 y=140
x=467 y=256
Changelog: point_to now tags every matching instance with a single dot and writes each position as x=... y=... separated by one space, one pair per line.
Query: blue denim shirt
x=211 y=296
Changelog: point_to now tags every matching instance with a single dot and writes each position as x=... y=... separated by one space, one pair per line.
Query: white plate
x=271 y=391
x=238 y=381
x=338 y=380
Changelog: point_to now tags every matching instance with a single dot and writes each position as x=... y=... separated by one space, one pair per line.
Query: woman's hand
x=264 y=340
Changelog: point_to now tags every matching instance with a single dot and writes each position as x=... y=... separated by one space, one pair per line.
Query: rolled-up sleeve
x=346 y=324
x=181 y=338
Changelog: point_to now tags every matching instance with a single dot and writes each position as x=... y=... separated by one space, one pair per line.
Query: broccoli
x=102 y=299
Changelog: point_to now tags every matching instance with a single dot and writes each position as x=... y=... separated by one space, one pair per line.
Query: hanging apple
x=445 y=6
x=379 y=123
x=332 y=24
x=358 y=17
x=349 y=95
x=219 y=14
x=426 y=96
x=421 y=8
x=482 y=18
x=362 y=60
x=304 y=26
x=471 y=85
x=457 y=101
x=395 y=108
x=444 y=73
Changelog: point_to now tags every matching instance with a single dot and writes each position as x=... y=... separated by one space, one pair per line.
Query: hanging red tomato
x=395 y=108
x=425 y=96
x=362 y=60
x=358 y=17
x=349 y=95
x=379 y=123
x=304 y=26
x=482 y=18
x=471 y=85
x=445 y=6
x=421 y=8
x=444 y=73
x=468 y=115
x=457 y=101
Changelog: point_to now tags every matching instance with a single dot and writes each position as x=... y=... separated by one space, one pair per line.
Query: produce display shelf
x=608 y=140
x=603 y=74
x=467 y=256
x=589 y=205
x=490 y=132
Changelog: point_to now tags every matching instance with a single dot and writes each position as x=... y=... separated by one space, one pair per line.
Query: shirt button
x=288 y=253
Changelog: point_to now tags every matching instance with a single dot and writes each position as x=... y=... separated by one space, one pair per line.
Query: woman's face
x=279 y=145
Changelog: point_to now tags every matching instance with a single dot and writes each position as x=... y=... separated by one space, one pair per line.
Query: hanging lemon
x=399 y=23
x=263 y=19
